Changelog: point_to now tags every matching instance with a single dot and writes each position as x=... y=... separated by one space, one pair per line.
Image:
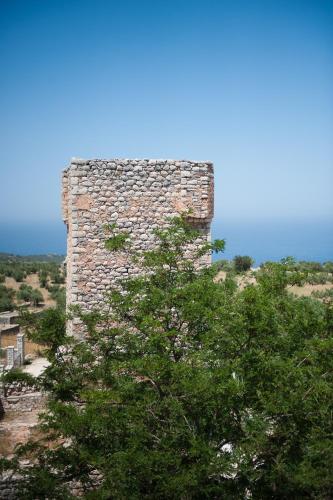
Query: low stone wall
x=18 y=397
x=15 y=399
x=8 y=486
x=24 y=402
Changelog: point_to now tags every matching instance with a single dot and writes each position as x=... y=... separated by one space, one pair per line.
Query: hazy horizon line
x=265 y=239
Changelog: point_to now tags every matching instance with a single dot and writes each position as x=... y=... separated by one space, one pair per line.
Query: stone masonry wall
x=21 y=398
x=9 y=486
x=137 y=195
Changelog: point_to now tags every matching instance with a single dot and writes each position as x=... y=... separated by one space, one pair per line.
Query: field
x=33 y=281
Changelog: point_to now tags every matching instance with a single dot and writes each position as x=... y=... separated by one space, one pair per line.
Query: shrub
x=57 y=278
x=328 y=267
x=324 y=294
x=223 y=265
x=242 y=263
x=318 y=278
x=16 y=375
x=312 y=267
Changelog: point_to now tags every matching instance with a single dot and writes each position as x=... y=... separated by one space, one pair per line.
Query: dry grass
x=11 y=283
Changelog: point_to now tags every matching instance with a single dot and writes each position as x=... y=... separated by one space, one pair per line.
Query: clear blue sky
x=246 y=84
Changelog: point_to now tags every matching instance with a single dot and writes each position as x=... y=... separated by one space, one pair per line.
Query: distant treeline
x=19 y=270
x=241 y=263
x=50 y=257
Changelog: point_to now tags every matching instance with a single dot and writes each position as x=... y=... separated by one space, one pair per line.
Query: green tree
x=29 y=294
x=47 y=328
x=58 y=294
x=242 y=263
x=57 y=277
x=6 y=298
x=18 y=274
x=42 y=275
x=36 y=297
x=24 y=292
x=191 y=389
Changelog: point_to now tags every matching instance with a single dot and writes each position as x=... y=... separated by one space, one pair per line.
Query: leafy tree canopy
x=190 y=388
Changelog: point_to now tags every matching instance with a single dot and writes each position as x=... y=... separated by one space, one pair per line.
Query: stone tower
x=137 y=195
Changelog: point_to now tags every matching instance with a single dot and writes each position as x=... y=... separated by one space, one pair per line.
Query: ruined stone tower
x=137 y=195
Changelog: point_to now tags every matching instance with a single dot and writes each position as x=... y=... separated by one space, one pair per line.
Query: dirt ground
x=36 y=367
x=16 y=428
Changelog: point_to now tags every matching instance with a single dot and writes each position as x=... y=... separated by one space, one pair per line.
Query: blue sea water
x=310 y=240
x=263 y=240
x=33 y=238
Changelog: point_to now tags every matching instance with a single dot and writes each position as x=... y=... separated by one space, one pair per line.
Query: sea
x=263 y=240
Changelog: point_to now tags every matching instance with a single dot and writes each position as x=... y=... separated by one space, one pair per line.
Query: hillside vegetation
x=30 y=281
x=50 y=257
